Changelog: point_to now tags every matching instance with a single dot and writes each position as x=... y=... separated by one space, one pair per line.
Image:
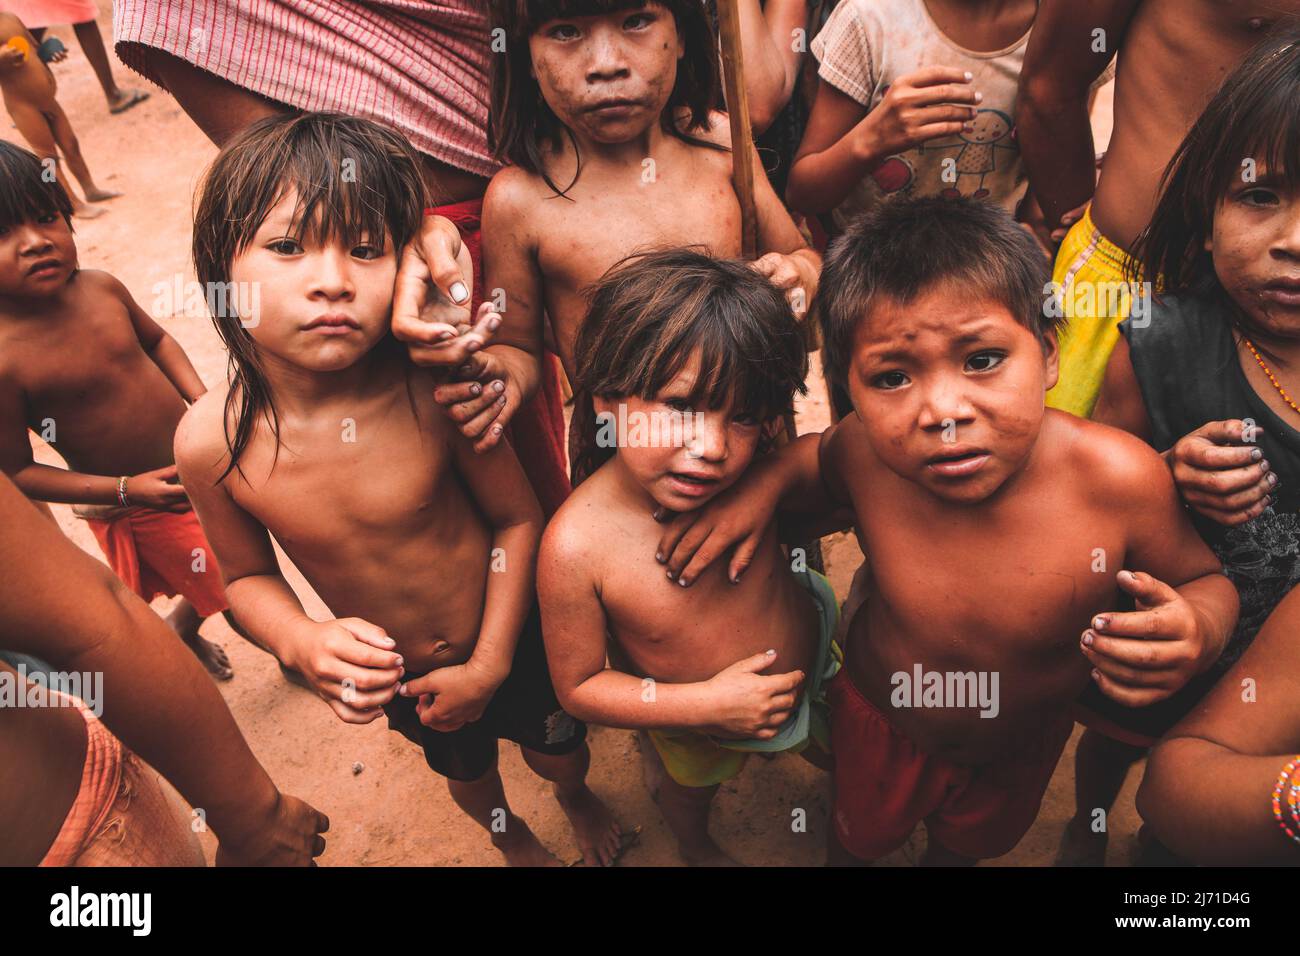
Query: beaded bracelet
x=1288 y=776
x=121 y=492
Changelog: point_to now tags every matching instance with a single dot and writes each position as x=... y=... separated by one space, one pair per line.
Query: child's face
x=950 y=390
x=37 y=256
x=1256 y=247
x=322 y=306
x=608 y=78
x=682 y=455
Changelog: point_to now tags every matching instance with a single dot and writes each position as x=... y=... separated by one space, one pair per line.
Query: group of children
x=1018 y=559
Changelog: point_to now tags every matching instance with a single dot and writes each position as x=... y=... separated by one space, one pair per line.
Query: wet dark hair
x=652 y=310
x=311 y=154
x=521 y=125
x=1254 y=116
x=26 y=192
x=907 y=246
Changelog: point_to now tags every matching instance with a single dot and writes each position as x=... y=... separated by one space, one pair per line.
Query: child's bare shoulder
x=1113 y=465
x=575 y=537
x=200 y=442
x=513 y=193
x=718 y=131
x=100 y=283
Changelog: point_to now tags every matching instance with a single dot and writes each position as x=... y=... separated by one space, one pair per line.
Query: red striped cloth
x=418 y=65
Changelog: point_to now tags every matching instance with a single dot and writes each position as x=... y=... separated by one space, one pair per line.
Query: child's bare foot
x=600 y=838
x=706 y=853
x=521 y=848
x=1080 y=846
x=87 y=211
x=212 y=657
x=123 y=100
x=100 y=195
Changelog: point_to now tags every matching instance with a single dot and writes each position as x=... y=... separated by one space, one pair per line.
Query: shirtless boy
x=1158 y=95
x=329 y=441
x=606 y=122
x=28 y=87
x=994 y=531
x=667 y=352
x=82 y=365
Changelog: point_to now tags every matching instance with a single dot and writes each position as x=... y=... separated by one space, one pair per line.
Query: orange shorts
x=885 y=785
x=158 y=552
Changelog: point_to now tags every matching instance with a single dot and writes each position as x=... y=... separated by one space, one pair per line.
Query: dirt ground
x=395 y=811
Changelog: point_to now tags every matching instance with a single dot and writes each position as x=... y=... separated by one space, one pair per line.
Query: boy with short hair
x=329 y=439
x=83 y=365
x=691 y=362
x=994 y=529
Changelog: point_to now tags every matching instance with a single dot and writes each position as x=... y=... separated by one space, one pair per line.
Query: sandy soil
x=394 y=811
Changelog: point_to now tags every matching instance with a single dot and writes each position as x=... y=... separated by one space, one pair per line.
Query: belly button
x=1257 y=23
x=441 y=647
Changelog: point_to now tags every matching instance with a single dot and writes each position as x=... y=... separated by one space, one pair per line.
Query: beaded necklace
x=1271 y=377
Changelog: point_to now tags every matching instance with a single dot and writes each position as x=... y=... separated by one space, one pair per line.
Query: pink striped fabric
x=418 y=66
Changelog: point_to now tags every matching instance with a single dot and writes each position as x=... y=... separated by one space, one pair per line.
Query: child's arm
x=1219 y=470
x=1186 y=607
x=499 y=487
x=790 y=478
x=494 y=381
x=843 y=143
x=1208 y=785
x=1061 y=63
x=349 y=662
x=738 y=701
x=152 y=489
x=785 y=258
x=66 y=607
x=164 y=350
x=771 y=57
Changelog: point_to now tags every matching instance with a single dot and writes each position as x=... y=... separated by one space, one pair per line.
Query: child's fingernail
x=402 y=690
x=979 y=97
x=770 y=652
x=669 y=573
x=659 y=557
x=397 y=663
x=1263 y=465
x=475 y=388
x=683 y=582
x=493 y=324
x=498 y=386
x=458 y=292
x=1096 y=674
x=1256 y=454
x=969 y=76
x=1099 y=623
x=446 y=335
x=1272 y=480
x=1087 y=638
x=496 y=429
x=472 y=345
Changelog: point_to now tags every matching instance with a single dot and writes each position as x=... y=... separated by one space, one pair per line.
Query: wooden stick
x=742 y=134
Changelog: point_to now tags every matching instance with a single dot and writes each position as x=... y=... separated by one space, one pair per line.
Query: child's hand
x=351 y=664
x=1220 y=475
x=919 y=107
x=159 y=490
x=1146 y=655
x=11 y=57
x=793 y=275
x=736 y=518
x=746 y=704
x=481 y=400
x=290 y=837
x=432 y=292
x=451 y=697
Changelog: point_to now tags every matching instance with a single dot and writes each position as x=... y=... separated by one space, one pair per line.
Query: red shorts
x=159 y=552
x=885 y=785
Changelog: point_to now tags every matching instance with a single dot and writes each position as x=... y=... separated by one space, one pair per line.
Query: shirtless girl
x=28 y=87
x=622 y=152
x=723 y=669
x=329 y=440
x=994 y=531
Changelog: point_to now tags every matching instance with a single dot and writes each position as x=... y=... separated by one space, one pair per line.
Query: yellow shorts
x=1089 y=273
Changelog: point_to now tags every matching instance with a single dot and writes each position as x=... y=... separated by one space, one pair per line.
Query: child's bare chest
x=89 y=358
x=345 y=481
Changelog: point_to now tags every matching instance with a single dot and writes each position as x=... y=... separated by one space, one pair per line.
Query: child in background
x=979 y=627
x=691 y=362
x=603 y=108
x=1208 y=377
x=917 y=99
x=329 y=440
x=28 y=87
x=85 y=367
